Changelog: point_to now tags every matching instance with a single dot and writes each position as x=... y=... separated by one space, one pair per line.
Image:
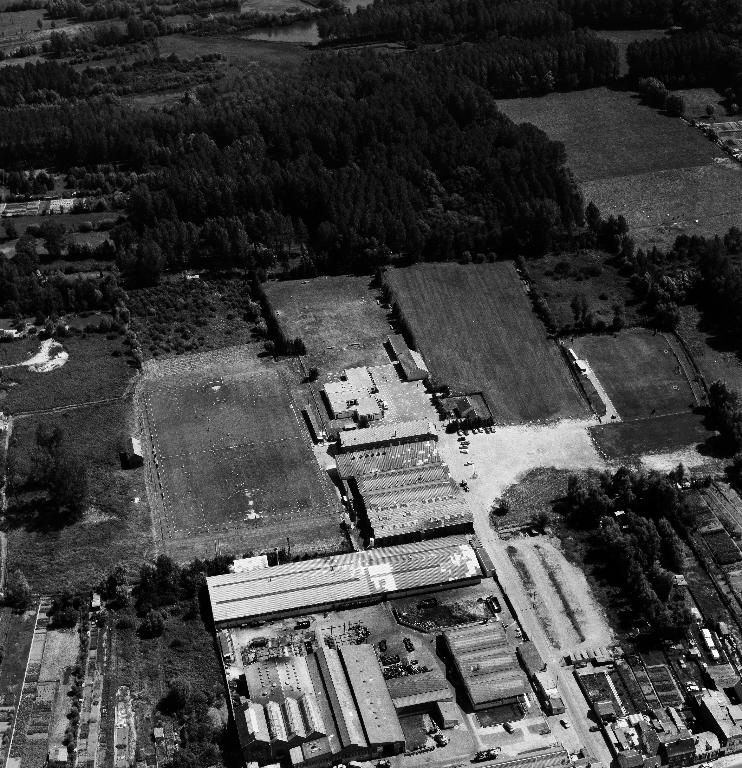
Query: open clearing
x=717 y=358
x=116 y=526
x=234 y=470
x=639 y=371
x=475 y=327
x=338 y=318
x=560 y=595
x=664 y=176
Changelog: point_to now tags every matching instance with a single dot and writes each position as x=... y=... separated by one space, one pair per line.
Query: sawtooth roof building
x=384 y=435
x=357 y=578
x=386 y=458
x=316 y=709
x=487 y=666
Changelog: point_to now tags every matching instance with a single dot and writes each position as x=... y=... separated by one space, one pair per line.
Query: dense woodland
x=638 y=554
x=387 y=157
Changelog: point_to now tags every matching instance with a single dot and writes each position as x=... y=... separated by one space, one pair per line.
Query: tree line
x=439 y=20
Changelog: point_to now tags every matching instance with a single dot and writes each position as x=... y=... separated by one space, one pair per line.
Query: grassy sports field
x=339 y=319
x=235 y=470
x=663 y=175
x=639 y=371
x=477 y=332
x=661 y=434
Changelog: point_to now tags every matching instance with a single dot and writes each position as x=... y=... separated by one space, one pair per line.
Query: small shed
x=448 y=714
x=58 y=757
x=132 y=457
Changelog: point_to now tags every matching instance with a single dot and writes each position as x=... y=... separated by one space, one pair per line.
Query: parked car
x=565 y=723
x=382 y=646
x=508 y=726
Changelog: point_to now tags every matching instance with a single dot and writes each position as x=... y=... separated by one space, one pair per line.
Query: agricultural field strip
x=495 y=344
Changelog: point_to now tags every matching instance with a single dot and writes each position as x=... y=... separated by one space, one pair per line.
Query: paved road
x=611 y=414
x=575 y=704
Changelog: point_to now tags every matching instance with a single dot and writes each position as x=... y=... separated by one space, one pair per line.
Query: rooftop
x=387 y=433
x=298 y=588
x=487 y=664
x=369 y=461
x=372 y=697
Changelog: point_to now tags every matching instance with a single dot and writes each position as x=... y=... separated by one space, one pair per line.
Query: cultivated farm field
x=476 y=330
x=234 y=470
x=338 y=318
x=663 y=175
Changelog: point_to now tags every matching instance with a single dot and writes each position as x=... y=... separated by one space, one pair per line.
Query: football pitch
x=233 y=465
x=477 y=331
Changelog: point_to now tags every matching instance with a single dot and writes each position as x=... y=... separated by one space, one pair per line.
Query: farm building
x=468 y=409
x=357 y=578
x=487 y=666
x=355 y=396
x=385 y=435
x=132 y=457
x=412 y=363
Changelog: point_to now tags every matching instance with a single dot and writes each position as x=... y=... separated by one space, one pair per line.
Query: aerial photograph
x=370 y=383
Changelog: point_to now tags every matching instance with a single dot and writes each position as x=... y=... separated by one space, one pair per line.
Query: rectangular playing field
x=661 y=434
x=640 y=372
x=477 y=332
x=234 y=467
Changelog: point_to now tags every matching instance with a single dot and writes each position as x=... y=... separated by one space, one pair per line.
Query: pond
x=304 y=32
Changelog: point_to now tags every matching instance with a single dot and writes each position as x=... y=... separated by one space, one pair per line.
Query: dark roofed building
x=530 y=658
x=378 y=715
x=487 y=666
x=415 y=693
x=412 y=363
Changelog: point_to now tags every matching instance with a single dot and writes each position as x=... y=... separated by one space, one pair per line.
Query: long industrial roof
x=302 y=586
x=387 y=433
x=375 y=706
x=369 y=461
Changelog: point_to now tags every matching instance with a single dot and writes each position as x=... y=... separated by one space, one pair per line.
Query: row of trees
x=445 y=19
